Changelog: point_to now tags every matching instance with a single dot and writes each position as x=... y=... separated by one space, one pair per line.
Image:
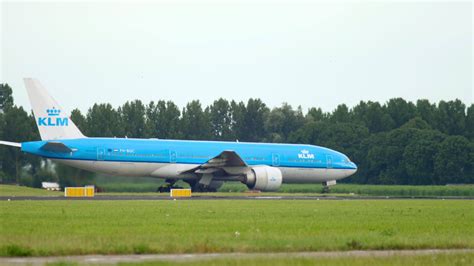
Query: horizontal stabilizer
x=8 y=143
x=56 y=147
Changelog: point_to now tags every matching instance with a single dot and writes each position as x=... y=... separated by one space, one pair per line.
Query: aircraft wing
x=225 y=161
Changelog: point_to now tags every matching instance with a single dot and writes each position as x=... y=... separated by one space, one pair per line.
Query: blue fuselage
x=192 y=152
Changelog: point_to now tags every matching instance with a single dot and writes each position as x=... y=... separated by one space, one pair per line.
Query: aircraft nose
x=352 y=169
x=353 y=166
x=349 y=167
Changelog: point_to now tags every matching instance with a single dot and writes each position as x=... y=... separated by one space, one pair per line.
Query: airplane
x=204 y=165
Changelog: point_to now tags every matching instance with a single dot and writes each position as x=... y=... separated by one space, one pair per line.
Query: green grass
x=14 y=190
x=148 y=184
x=368 y=190
x=437 y=259
x=39 y=228
x=406 y=191
x=128 y=184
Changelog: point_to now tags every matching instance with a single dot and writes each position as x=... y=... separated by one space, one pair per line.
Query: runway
x=211 y=197
x=115 y=259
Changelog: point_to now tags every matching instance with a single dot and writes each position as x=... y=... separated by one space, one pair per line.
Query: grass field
x=367 y=190
x=30 y=228
x=129 y=184
x=14 y=190
x=144 y=184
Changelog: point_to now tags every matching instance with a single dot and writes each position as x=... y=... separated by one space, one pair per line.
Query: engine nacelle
x=264 y=178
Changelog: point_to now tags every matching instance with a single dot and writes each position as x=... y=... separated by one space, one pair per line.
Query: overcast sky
x=304 y=54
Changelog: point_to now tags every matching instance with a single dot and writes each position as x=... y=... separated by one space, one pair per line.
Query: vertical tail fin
x=53 y=123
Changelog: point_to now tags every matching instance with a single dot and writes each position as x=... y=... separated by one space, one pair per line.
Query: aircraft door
x=329 y=161
x=275 y=159
x=100 y=154
x=172 y=156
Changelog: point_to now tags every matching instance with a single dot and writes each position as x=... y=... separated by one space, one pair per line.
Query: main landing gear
x=198 y=187
x=170 y=184
x=204 y=184
x=194 y=184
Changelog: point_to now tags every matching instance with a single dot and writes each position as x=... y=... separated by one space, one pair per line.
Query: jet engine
x=264 y=178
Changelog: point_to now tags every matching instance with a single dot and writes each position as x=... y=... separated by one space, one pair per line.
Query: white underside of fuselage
x=176 y=170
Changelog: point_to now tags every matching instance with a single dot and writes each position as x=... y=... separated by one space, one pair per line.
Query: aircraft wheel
x=196 y=187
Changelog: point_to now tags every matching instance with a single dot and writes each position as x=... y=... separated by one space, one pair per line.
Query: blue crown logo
x=53 y=112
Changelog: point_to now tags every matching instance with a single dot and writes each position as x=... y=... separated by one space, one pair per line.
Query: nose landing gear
x=327 y=184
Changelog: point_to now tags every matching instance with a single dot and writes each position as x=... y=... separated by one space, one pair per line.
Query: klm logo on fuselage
x=305 y=154
x=53 y=119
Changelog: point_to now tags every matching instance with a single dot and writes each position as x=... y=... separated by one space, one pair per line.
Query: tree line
x=396 y=142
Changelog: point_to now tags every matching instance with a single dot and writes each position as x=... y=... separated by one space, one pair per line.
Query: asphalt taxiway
x=115 y=259
x=211 y=197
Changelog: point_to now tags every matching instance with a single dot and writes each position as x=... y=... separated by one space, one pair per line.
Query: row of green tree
x=398 y=142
